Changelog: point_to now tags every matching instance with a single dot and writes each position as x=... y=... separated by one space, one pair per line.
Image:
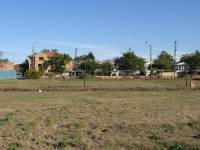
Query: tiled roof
x=51 y=54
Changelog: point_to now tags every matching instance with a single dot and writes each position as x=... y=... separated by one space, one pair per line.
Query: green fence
x=8 y=74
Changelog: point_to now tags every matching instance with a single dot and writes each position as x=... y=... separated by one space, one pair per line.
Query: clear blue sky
x=105 y=27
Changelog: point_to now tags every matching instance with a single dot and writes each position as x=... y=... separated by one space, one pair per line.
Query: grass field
x=64 y=116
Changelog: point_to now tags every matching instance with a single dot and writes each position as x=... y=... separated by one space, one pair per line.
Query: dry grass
x=77 y=85
x=98 y=119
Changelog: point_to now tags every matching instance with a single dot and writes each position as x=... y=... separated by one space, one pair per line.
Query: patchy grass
x=99 y=119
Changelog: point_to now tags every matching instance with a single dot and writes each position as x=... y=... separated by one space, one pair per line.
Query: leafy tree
x=129 y=61
x=32 y=74
x=107 y=67
x=193 y=60
x=23 y=67
x=4 y=60
x=90 y=66
x=164 y=61
x=57 y=63
x=91 y=56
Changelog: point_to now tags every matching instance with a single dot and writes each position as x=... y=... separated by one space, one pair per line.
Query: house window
x=40 y=66
x=41 y=58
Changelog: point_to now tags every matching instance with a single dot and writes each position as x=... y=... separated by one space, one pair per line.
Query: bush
x=32 y=74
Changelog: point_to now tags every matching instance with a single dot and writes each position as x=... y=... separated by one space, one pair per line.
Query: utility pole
x=150 y=46
x=150 y=58
x=84 y=72
x=33 y=55
x=76 y=50
x=175 y=50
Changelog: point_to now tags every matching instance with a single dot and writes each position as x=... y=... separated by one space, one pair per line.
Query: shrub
x=14 y=146
x=7 y=117
x=60 y=145
x=32 y=74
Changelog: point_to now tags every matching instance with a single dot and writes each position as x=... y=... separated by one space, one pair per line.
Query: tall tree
x=90 y=56
x=24 y=67
x=90 y=66
x=193 y=60
x=129 y=61
x=58 y=63
x=164 y=61
x=107 y=67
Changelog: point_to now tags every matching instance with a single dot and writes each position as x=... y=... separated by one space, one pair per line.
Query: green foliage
x=193 y=60
x=7 y=117
x=32 y=74
x=4 y=60
x=60 y=145
x=89 y=66
x=58 y=63
x=164 y=61
x=23 y=67
x=155 y=137
x=106 y=67
x=91 y=56
x=14 y=146
x=129 y=61
x=176 y=146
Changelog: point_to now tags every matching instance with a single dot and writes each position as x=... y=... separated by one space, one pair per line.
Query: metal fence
x=8 y=74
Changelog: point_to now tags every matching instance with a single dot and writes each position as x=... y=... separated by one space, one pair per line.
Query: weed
x=176 y=146
x=14 y=146
x=50 y=121
x=60 y=145
x=7 y=117
x=155 y=137
x=28 y=127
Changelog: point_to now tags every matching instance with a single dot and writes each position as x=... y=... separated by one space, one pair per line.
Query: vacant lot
x=99 y=117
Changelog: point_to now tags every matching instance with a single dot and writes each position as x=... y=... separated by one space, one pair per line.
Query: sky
x=105 y=27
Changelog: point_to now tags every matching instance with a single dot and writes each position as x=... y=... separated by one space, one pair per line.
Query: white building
x=181 y=67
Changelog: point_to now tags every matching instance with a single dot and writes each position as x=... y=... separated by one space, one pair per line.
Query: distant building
x=6 y=66
x=37 y=61
x=7 y=70
x=181 y=67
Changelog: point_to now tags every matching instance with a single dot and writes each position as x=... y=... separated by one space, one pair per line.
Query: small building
x=6 y=65
x=181 y=67
x=7 y=70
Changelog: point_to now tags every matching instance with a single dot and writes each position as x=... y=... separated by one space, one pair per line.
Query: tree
x=58 y=63
x=193 y=60
x=23 y=67
x=90 y=56
x=129 y=61
x=164 y=61
x=107 y=67
x=90 y=66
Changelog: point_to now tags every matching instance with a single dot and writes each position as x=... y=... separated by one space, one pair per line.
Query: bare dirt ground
x=99 y=119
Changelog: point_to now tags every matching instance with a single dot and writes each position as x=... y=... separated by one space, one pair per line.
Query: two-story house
x=37 y=60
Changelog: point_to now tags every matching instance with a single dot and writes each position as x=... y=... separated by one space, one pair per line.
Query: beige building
x=6 y=66
x=38 y=60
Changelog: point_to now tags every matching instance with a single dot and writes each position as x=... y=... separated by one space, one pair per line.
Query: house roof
x=181 y=63
x=48 y=53
x=51 y=54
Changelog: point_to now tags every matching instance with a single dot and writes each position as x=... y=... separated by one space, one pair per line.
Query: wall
x=8 y=74
x=167 y=75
